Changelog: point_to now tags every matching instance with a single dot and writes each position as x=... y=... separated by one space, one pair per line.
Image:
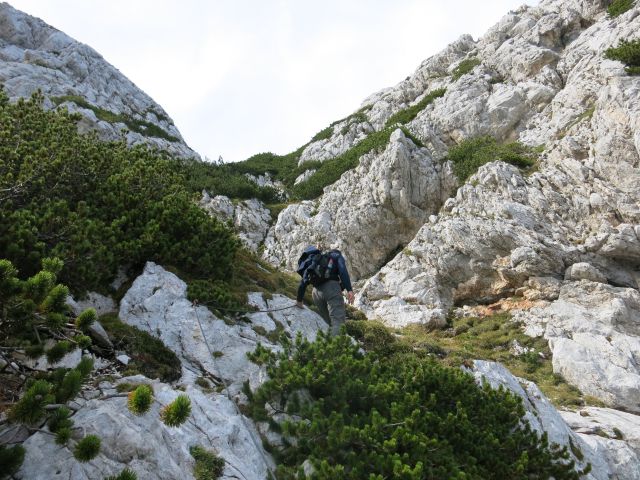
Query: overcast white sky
x=240 y=77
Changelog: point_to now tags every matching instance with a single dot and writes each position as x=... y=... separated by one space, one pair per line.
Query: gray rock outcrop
x=606 y=439
x=35 y=56
x=250 y=218
x=594 y=334
x=404 y=185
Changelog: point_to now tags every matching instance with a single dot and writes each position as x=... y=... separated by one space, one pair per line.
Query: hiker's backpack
x=318 y=267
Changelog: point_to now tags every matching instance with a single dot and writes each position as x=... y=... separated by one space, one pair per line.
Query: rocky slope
x=157 y=303
x=421 y=244
x=35 y=56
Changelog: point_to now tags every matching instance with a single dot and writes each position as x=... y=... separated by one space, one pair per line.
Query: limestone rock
x=101 y=303
x=250 y=217
x=608 y=439
x=584 y=271
x=157 y=304
x=594 y=335
x=147 y=446
x=35 y=56
x=405 y=186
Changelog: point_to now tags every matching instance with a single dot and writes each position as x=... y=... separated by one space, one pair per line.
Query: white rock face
x=250 y=217
x=404 y=185
x=542 y=79
x=149 y=447
x=593 y=332
x=612 y=435
x=101 y=303
x=157 y=304
x=608 y=439
x=35 y=56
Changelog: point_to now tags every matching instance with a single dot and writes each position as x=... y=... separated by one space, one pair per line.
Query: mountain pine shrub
x=11 y=459
x=472 y=153
x=177 y=412
x=397 y=415
x=126 y=474
x=618 y=7
x=87 y=448
x=627 y=52
x=208 y=465
x=96 y=205
x=86 y=319
x=139 y=400
x=465 y=67
x=323 y=134
x=409 y=113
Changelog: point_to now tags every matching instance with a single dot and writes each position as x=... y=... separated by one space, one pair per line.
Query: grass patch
x=465 y=67
x=490 y=338
x=618 y=7
x=406 y=115
x=472 y=153
x=627 y=52
x=468 y=339
x=586 y=115
x=149 y=356
x=251 y=274
x=140 y=126
x=323 y=134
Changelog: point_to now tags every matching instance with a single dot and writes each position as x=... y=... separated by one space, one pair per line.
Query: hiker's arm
x=344 y=274
x=301 y=289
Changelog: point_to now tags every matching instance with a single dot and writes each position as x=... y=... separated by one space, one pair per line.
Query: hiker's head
x=311 y=249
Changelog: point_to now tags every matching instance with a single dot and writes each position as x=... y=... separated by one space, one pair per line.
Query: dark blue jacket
x=304 y=262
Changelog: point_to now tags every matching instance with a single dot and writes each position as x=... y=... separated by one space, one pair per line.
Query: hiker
x=328 y=274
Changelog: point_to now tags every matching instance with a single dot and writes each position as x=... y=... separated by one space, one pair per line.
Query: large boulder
x=142 y=443
x=250 y=218
x=594 y=335
x=157 y=303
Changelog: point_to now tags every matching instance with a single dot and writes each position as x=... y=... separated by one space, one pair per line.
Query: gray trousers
x=328 y=298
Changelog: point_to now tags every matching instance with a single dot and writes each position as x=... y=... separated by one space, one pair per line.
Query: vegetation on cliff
x=97 y=205
x=393 y=413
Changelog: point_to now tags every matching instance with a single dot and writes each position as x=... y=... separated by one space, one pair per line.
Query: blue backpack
x=318 y=267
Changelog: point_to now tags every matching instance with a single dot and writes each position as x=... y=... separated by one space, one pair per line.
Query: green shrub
x=11 y=459
x=177 y=412
x=149 y=355
x=63 y=435
x=83 y=341
x=86 y=319
x=96 y=205
x=60 y=419
x=58 y=351
x=125 y=474
x=70 y=386
x=472 y=153
x=323 y=134
x=208 y=465
x=628 y=52
x=618 y=7
x=408 y=114
x=397 y=415
x=139 y=400
x=465 y=67
x=30 y=408
x=87 y=448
